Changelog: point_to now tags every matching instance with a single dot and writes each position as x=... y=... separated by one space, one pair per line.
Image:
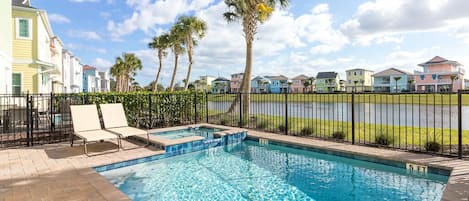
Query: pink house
x=298 y=84
x=235 y=82
x=440 y=75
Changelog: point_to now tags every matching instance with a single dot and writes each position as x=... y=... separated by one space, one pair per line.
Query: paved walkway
x=60 y=172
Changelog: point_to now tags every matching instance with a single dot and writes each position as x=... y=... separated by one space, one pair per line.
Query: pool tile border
x=179 y=149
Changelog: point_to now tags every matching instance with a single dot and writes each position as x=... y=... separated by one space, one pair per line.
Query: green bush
x=282 y=127
x=339 y=135
x=224 y=121
x=164 y=107
x=306 y=131
x=433 y=146
x=383 y=139
x=262 y=124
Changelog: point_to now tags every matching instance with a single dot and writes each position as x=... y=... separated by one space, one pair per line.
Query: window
x=422 y=77
x=23 y=28
x=354 y=73
x=434 y=77
x=16 y=83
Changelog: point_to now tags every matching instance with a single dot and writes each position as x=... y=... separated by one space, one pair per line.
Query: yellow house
x=32 y=65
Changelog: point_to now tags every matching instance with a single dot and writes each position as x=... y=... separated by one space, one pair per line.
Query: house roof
x=439 y=60
x=325 y=75
x=301 y=77
x=277 y=77
x=391 y=71
x=21 y=3
x=221 y=79
x=88 y=67
x=359 y=69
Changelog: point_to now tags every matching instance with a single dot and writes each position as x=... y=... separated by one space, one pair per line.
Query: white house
x=56 y=75
x=105 y=81
x=67 y=71
x=76 y=75
x=5 y=46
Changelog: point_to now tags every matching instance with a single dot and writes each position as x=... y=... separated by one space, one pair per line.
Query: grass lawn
x=445 y=99
x=398 y=136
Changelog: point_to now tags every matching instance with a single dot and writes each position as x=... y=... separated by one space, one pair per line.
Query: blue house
x=392 y=80
x=260 y=85
x=278 y=84
x=89 y=79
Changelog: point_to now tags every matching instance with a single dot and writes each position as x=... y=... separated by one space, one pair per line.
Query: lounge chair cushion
x=113 y=115
x=127 y=131
x=85 y=118
x=96 y=135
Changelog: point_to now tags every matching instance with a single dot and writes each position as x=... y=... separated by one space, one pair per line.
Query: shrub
x=224 y=121
x=384 y=139
x=262 y=124
x=432 y=146
x=339 y=135
x=282 y=127
x=307 y=131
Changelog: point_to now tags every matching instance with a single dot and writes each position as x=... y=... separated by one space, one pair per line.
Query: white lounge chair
x=115 y=121
x=87 y=126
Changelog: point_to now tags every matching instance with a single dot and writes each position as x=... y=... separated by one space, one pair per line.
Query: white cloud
x=375 y=20
x=83 y=1
x=58 y=18
x=102 y=64
x=146 y=15
x=88 y=35
x=74 y=46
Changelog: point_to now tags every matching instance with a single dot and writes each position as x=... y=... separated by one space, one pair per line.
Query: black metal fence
x=420 y=122
x=32 y=119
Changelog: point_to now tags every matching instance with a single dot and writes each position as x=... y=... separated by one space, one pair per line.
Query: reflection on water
x=439 y=116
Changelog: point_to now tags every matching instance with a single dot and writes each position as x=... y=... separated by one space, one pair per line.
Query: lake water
x=439 y=116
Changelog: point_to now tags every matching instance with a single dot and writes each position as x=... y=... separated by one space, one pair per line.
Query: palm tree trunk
x=160 y=58
x=176 y=57
x=189 y=69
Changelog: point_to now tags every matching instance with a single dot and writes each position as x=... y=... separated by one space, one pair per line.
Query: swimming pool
x=206 y=132
x=250 y=171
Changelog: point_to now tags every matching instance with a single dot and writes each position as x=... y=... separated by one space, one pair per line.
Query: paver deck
x=60 y=172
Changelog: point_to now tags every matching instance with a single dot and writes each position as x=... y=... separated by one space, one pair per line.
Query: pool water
x=197 y=131
x=249 y=171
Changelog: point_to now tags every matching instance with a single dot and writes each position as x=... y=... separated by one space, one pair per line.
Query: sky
x=307 y=37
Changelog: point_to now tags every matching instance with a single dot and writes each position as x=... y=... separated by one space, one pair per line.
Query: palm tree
x=306 y=84
x=453 y=78
x=411 y=82
x=251 y=13
x=192 y=29
x=160 y=44
x=311 y=83
x=397 y=79
x=124 y=69
x=176 y=39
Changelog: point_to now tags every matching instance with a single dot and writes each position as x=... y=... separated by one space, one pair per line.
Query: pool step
x=416 y=168
x=263 y=141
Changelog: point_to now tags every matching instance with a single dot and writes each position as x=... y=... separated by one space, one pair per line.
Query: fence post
x=353 y=117
x=52 y=120
x=28 y=119
x=286 y=113
x=195 y=107
x=150 y=116
x=206 y=107
x=240 y=110
x=459 y=124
